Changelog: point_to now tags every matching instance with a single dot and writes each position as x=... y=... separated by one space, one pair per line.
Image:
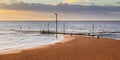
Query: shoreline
x=73 y=47
x=12 y=51
x=19 y=50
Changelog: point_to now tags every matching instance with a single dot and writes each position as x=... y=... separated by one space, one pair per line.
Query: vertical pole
x=72 y=31
x=93 y=29
x=64 y=28
x=20 y=27
x=56 y=24
x=28 y=27
x=48 y=27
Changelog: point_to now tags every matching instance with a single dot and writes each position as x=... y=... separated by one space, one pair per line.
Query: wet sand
x=71 y=48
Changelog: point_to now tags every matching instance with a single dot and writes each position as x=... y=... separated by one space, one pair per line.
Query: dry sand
x=71 y=48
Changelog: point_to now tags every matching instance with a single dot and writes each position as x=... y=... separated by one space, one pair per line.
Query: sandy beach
x=71 y=48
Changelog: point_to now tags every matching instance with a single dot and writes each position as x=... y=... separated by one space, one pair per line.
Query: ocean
x=10 y=39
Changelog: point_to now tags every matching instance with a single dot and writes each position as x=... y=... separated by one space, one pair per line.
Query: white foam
x=21 y=40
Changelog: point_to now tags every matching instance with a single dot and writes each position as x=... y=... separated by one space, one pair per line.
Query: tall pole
x=93 y=29
x=56 y=24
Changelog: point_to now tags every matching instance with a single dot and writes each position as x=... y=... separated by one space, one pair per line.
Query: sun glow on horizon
x=70 y=1
x=87 y=0
x=22 y=15
x=75 y=1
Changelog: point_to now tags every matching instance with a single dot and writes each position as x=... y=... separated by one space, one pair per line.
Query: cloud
x=59 y=7
x=7 y=1
x=86 y=0
x=74 y=1
x=71 y=1
x=91 y=10
x=117 y=2
x=12 y=0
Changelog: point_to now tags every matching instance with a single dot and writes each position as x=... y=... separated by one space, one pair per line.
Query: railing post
x=64 y=28
x=56 y=24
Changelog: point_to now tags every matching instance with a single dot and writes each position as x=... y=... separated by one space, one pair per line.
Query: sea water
x=10 y=39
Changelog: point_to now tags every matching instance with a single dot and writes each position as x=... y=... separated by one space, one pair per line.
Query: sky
x=83 y=10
